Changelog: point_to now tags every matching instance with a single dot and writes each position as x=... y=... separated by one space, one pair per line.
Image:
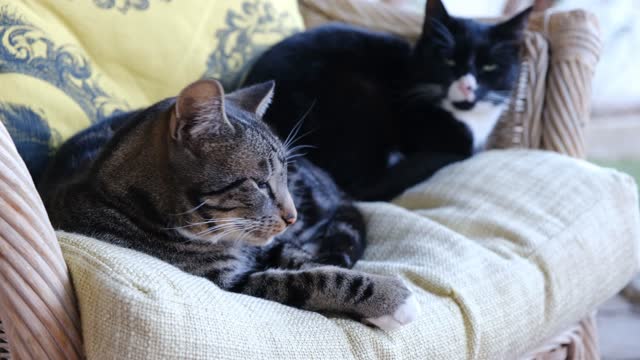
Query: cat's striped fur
x=201 y=182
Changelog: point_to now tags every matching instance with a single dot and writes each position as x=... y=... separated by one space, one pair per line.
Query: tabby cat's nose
x=289 y=218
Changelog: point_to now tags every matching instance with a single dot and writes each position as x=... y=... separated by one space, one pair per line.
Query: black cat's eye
x=449 y=62
x=489 y=67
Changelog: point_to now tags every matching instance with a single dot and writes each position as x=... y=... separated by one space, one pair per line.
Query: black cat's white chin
x=480 y=118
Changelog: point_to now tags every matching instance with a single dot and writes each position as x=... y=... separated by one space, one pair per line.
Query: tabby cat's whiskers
x=230 y=225
x=191 y=210
x=293 y=153
x=246 y=233
x=293 y=137
x=236 y=239
x=210 y=221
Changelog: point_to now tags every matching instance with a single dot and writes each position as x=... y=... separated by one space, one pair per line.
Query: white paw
x=404 y=314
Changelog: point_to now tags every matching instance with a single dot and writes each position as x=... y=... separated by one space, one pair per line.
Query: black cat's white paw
x=407 y=312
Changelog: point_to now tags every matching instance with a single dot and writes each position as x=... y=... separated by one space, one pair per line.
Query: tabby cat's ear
x=436 y=16
x=199 y=111
x=254 y=99
x=513 y=29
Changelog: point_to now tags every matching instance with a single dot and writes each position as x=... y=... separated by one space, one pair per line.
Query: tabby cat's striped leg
x=284 y=255
x=339 y=239
x=344 y=238
x=380 y=300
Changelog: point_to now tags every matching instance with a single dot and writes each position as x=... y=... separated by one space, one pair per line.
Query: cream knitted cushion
x=503 y=250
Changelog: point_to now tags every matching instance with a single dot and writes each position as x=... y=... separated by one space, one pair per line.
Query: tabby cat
x=201 y=182
x=384 y=115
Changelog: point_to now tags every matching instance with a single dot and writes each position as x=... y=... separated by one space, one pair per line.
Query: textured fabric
x=66 y=64
x=503 y=250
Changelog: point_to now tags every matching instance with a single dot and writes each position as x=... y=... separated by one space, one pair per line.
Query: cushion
x=503 y=251
x=67 y=64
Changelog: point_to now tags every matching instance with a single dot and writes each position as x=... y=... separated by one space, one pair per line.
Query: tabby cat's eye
x=449 y=62
x=262 y=184
x=489 y=67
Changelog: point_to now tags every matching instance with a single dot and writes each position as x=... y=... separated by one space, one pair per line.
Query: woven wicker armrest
x=574 y=44
x=37 y=303
x=551 y=105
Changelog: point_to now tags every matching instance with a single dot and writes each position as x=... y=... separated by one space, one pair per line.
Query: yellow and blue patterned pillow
x=66 y=64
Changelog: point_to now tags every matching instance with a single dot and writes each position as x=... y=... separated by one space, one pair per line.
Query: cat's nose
x=288 y=211
x=466 y=88
x=289 y=218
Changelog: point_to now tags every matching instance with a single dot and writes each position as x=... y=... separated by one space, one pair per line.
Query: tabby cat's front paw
x=407 y=312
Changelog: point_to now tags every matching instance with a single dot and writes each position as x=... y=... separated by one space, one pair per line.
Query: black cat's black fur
x=371 y=96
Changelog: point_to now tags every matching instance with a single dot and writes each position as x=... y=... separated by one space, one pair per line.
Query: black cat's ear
x=513 y=29
x=435 y=19
x=435 y=9
x=199 y=111
x=254 y=99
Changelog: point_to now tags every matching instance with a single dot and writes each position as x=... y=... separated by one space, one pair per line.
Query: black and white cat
x=370 y=97
x=471 y=67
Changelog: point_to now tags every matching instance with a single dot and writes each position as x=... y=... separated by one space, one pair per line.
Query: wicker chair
x=550 y=110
